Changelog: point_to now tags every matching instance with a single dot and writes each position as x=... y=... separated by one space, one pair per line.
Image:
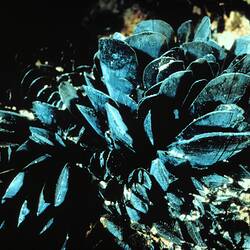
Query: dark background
x=25 y=31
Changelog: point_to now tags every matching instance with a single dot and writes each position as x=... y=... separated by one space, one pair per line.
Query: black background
x=23 y=31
